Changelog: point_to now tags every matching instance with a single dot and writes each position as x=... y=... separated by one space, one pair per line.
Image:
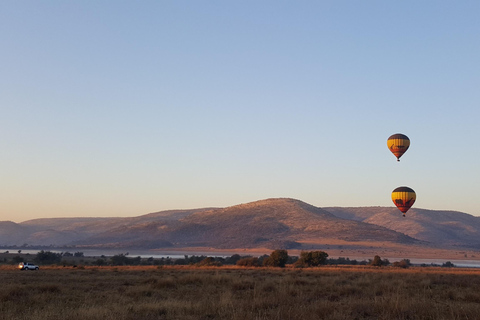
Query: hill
x=272 y=223
x=450 y=228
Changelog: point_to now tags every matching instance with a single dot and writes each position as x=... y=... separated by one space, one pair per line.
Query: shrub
x=376 y=262
x=248 y=262
x=100 y=262
x=263 y=258
x=119 y=260
x=180 y=262
x=448 y=264
x=311 y=259
x=47 y=257
x=233 y=259
x=277 y=258
x=209 y=262
x=405 y=263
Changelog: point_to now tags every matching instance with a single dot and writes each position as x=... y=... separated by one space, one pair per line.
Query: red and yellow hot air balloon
x=404 y=198
x=398 y=144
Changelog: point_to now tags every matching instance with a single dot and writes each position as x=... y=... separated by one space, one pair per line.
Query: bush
x=120 y=260
x=311 y=259
x=277 y=258
x=448 y=264
x=100 y=262
x=263 y=258
x=376 y=262
x=233 y=259
x=405 y=263
x=17 y=259
x=209 y=262
x=47 y=257
x=180 y=262
x=249 y=262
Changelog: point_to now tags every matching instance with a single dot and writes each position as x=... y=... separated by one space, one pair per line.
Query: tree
x=262 y=258
x=376 y=262
x=405 y=263
x=277 y=258
x=135 y=261
x=100 y=262
x=119 y=260
x=47 y=257
x=233 y=259
x=311 y=259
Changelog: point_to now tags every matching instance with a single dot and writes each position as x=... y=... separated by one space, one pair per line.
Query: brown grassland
x=239 y=293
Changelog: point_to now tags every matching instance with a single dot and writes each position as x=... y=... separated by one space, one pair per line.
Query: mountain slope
x=276 y=220
x=271 y=223
x=12 y=233
x=449 y=228
x=72 y=231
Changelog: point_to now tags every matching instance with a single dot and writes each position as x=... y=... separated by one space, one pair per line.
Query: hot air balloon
x=398 y=144
x=404 y=198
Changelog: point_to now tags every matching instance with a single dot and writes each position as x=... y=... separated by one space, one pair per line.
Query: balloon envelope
x=403 y=198
x=398 y=144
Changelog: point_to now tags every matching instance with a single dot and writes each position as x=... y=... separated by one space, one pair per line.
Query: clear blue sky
x=121 y=108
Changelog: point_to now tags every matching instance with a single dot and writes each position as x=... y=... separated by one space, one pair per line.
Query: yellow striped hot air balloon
x=403 y=198
x=398 y=144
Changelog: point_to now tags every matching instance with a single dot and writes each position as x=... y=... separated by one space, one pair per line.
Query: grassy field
x=239 y=293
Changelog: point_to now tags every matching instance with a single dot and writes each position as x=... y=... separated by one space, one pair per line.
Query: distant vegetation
x=278 y=258
x=311 y=259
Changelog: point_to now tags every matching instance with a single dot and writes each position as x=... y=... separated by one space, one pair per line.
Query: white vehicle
x=27 y=266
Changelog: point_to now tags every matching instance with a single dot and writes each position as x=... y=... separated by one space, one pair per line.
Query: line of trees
x=278 y=258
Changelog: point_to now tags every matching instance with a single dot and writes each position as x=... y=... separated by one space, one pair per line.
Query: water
x=457 y=263
x=131 y=253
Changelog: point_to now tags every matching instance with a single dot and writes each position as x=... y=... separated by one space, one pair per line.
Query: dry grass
x=239 y=293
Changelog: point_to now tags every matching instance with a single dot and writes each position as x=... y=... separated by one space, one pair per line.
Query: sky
x=122 y=108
